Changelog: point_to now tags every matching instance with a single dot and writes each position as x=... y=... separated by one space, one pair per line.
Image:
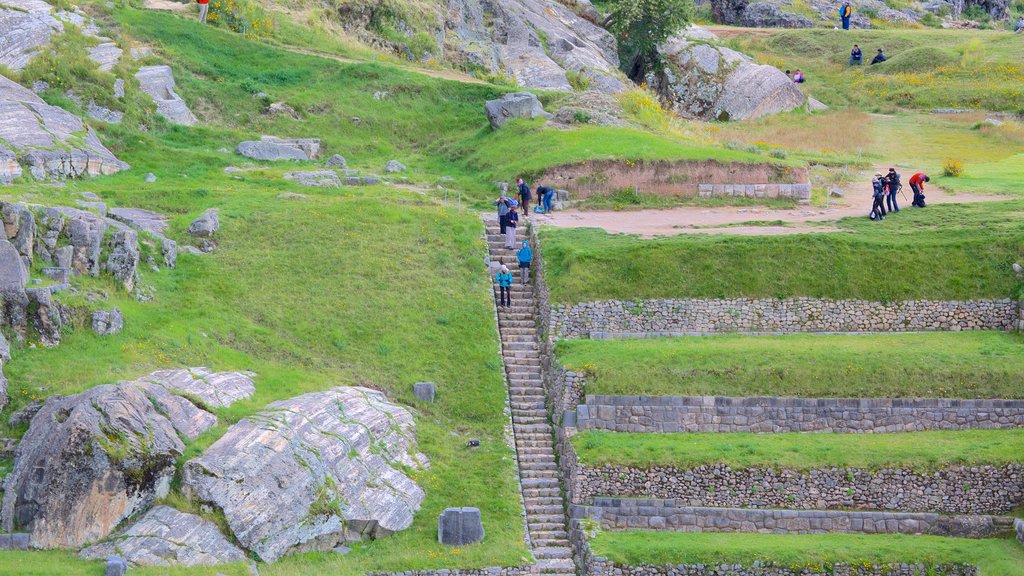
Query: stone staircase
x=534 y=436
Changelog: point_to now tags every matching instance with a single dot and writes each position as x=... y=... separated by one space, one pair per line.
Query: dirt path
x=730 y=220
x=166 y=5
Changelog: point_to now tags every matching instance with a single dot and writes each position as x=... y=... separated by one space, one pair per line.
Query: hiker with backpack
x=917 y=185
x=845 y=13
x=504 y=280
x=877 y=194
x=504 y=204
x=525 y=257
x=524 y=196
x=893 y=185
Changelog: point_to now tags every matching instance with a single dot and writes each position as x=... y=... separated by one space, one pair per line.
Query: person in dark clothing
x=545 y=196
x=524 y=196
x=856 y=56
x=877 y=193
x=917 y=185
x=845 y=12
x=511 y=221
x=504 y=204
x=893 y=185
x=880 y=57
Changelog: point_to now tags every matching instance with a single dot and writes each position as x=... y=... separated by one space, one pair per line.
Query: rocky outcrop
x=158 y=82
x=91 y=460
x=313 y=471
x=204 y=228
x=274 y=148
x=13 y=279
x=105 y=55
x=768 y=15
x=146 y=220
x=123 y=257
x=48 y=141
x=107 y=322
x=515 y=105
x=535 y=41
x=25 y=28
x=317 y=178
x=213 y=389
x=167 y=537
x=717 y=83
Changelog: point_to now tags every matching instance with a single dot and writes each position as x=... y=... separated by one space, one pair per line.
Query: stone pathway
x=534 y=435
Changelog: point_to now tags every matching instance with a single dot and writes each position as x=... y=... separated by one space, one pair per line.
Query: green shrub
x=422 y=44
x=580 y=81
x=581 y=117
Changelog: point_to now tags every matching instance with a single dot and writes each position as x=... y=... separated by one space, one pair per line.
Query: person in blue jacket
x=525 y=256
x=845 y=12
x=504 y=280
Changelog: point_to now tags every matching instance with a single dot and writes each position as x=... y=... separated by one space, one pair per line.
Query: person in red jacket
x=917 y=185
x=204 y=7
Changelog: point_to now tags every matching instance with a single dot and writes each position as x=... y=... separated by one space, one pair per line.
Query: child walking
x=504 y=280
x=525 y=256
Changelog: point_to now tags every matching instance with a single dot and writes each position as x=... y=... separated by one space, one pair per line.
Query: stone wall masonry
x=799 y=192
x=674 y=515
x=603 y=567
x=493 y=571
x=616 y=318
x=950 y=490
x=774 y=415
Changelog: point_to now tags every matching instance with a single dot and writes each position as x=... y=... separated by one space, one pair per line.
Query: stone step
x=555 y=501
x=542 y=493
x=545 y=509
x=542 y=428
x=552 y=549
x=559 y=534
x=556 y=564
x=558 y=519
x=521 y=405
x=541 y=474
x=540 y=483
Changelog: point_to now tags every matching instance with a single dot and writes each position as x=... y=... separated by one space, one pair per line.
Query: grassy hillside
x=932 y=365
x=926 y=68
x=959 y=252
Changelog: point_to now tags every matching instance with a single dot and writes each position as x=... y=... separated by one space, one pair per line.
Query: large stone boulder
x=105 y=55
x=535 y=41
x=318 y=178
x=25 y=28
x=274 y=148
x=712 y=82
x=213 y=389
x=768 y=15
x=91 y=460
x=158 y=83
x=515 y=105
x=49 y=141
x=312 y=472
x=13 y=279
x=123 y=257
x=167 y=537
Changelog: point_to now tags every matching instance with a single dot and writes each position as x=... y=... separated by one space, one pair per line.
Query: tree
x=641 y=25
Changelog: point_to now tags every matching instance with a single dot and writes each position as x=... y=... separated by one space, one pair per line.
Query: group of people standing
x=508 y=207
x=885 y=190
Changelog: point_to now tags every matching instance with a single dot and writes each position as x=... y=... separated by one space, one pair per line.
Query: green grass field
x=923 y=451
x=958 y=252
x=994 y=557
x=920 y=365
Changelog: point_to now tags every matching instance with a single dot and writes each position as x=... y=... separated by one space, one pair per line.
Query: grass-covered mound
x=922 y=451
x=946 y=253
x=994 y=557
x=928 y=68
x=922 y=365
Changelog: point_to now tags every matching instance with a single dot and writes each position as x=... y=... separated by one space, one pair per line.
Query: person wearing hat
x=879 y=58
x=877 y=195
x=893 y=186
x=504 y=280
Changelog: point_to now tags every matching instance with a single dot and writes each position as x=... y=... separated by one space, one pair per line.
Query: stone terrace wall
x=658 y=514
x=602 y=567
x=952 y=490
x=647 y=318
x=799 y=192
x=773 y=415
x=494 y=571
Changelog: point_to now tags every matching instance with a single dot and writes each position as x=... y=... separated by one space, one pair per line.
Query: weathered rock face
x=318 y=178
x=25 y=27
x=158 y=82
x=167 y=537
x=768 y=15
x=717 y=83
x=107 y=322
x=13 y=278
x=313 y=471
x=47 y=140
x=273 y=148
x=106 y=55
x=505 y=35
x=91 y=460
x=215 y=389
x=123 y=259
x=515 y=105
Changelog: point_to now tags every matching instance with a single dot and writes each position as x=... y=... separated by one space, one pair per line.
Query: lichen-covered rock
x=49 y=141
x=167 y=537
x=336 y=161
x=107 y=322
x=535 y=41
x=214 y=389
x=91 y=460
x=717 y=83
x=204 y=229
x=145 y=220
x=13 y=279
x=20 y=229
x=105 y=55
x=394 y=167
x=25 y=27
x=44 y=315
x=158 y=83
x=123 y=259
x=318 y=178
x=768 y=15
x=274 y=148
x=514 y=105
x=313 y=471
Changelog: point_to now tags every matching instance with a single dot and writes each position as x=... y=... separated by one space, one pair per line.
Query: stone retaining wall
x=798 y=192
x=616 y=318
x=675 y=515
x=774 y=415
x=14 y=541
x=602 y=567
x=951 y=490
x=493 y=571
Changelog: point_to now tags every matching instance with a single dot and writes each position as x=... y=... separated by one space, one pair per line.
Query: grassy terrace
x=940 y=364
x=916 y=450
x=995 y=557
x=952 y=252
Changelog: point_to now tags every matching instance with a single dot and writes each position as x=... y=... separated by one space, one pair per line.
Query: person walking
x=845 y=12
x=504 y=280
x=525 y=256
x=511 y=220
x=856 y=56
x=879 y=58
x=917 y=185
x=524 y=196
x=893 y=186
x=877 y=193
x=504 y=206
x=204 y=9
